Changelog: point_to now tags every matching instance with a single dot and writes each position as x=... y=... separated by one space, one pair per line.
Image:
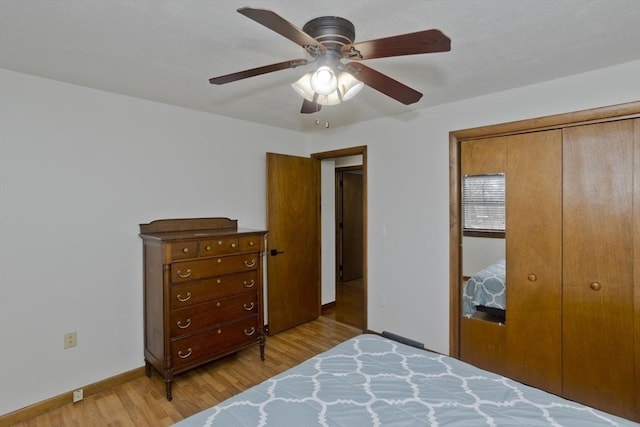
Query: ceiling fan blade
x=428 y=41
x=309 y=107
x=383 y=83
x=228 y=78
x=275 y=22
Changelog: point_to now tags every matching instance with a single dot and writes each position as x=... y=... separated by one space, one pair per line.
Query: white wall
x=408 y=190
x=79 y=170
x=328 y=230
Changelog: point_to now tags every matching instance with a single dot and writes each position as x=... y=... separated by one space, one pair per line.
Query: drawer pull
x=185 y=326
x=186 y=274
x=185 y=250
x=251 y=243
x=249 y=332
x=187 y=354
x=249 y=284
x=249 y=307
x=595 y=286
x=532 y=277
x=233 y=245
x=207 y=248
x=219 y=242
x=250 y=264
x=187 y=298
x=219 y=260
x=218 y=304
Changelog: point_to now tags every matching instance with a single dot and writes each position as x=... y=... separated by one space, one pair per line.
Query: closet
x=572 y=232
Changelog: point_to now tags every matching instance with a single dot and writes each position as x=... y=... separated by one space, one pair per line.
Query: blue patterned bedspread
x=372 y=381
x=487 y=288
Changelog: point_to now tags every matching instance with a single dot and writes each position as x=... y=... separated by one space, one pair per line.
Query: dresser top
x=186 y=228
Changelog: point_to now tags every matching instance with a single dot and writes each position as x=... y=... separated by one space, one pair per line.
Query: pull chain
x=317 y=122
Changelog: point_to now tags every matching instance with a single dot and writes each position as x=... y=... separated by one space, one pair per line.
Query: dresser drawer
x=190 y=293
x=211 y=267
x=195 y=349
x=184 y=250
x=219 y=246
x=253 y=242
x=191 y=319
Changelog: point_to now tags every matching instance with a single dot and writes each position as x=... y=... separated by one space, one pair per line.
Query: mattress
x=372 y=381
x=487 y=288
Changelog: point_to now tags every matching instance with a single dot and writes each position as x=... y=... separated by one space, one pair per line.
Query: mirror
x=484 y=278
x=483 y=230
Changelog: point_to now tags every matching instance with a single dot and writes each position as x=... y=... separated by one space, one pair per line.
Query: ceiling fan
x=329 y=42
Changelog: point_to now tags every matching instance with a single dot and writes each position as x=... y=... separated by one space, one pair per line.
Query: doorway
x=344 y=284
x=348 y=228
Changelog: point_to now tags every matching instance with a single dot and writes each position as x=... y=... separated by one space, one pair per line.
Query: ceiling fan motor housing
x=332 y=31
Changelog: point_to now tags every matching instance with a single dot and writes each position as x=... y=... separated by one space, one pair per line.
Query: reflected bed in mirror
x=484 y=294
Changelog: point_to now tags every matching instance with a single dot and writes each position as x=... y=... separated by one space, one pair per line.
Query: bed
x=486 y=291
x=373 y=381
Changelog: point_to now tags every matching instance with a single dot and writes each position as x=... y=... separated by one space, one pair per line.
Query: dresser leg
x=168 y=387
x=262 y=347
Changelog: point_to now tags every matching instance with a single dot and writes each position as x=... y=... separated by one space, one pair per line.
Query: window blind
x=483 y=203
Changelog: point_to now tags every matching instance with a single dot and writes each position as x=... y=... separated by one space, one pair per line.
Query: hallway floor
x=349 y=304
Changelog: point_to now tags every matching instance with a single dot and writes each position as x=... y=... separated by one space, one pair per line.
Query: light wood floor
x=349 y=303
x=142 y=402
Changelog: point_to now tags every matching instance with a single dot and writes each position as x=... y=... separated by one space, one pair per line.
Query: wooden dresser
x=203 y=295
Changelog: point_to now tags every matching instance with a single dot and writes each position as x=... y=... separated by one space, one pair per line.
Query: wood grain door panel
x=636 y=255
x=534 y=258
x=598 y=350
x=293 y=219
x=351 y=226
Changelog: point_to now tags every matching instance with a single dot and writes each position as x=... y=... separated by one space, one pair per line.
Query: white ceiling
x=166 y=50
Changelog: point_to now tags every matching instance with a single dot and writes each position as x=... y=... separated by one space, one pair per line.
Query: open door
x=293 y=242
x=349 y=208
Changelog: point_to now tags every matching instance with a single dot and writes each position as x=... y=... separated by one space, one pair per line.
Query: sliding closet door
x=482 y=341
x=636 y=256
x=534 y=259
x=598 y=244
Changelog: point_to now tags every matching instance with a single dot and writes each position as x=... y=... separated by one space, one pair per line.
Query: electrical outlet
x=70 y=340
x=78 y=395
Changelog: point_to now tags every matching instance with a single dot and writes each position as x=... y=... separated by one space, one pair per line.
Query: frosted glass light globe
x=324 y=81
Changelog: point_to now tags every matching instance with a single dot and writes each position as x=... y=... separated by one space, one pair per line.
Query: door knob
x=275 y=252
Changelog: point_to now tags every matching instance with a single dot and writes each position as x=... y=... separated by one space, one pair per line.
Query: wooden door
x=636 y=255
x=293 y=242
x=598 y=322
x=482 y=342
x=351 y=225
x=533 y=182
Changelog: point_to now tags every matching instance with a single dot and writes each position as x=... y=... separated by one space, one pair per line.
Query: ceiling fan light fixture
x=348 y=86
x=328 y=41
x=303 y=87
x=324 y=80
